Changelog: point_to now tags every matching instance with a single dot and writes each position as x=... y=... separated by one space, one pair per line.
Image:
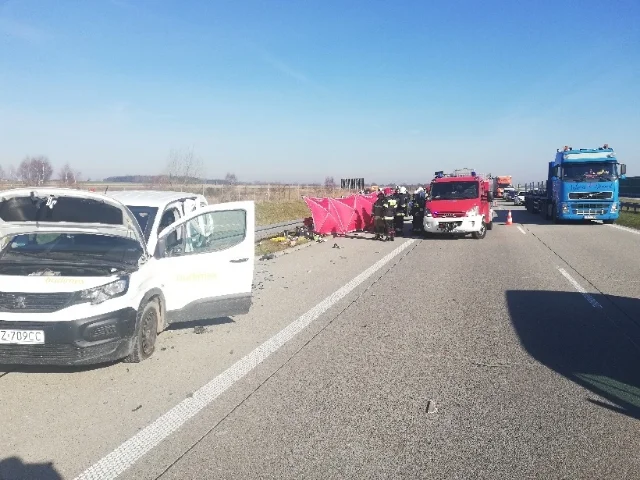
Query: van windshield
x=454 y=190
x=70 y=248
x=145 y=217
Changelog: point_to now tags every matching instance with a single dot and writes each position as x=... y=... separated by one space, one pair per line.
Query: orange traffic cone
x=509 y=220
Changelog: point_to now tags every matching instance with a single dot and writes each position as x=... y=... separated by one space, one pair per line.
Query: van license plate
x=21 y=337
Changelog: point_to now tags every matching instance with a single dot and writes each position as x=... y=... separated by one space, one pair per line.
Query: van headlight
x=473 y=212
x=103 y=292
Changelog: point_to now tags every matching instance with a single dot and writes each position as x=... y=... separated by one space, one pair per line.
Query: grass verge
x=265 y=247
x=268 y=213
x=629 y=219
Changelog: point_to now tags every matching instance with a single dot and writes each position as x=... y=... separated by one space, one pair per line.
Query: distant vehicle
x=509 y=193
x=459 y=205
x=518 y=199
x=80 y=282
x=582 y=184
x=499 y=184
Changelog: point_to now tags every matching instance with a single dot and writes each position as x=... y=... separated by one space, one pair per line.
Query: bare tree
x=329 y=182
x=68 y=176
x=231 y=178
x=35 y=170
x=184 y=167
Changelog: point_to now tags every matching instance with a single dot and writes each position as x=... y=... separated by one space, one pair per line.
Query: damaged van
x=78 y=284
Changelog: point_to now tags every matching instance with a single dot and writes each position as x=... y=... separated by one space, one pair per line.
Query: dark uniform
x=417 y=212
x=379 y=210
x=401 y=211
x=389 y=215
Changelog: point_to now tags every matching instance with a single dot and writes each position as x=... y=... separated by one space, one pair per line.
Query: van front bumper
x=98 y=339
x=460 y=225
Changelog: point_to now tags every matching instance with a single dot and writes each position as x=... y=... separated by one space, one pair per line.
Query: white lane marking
x=626 y=229
x=522 y=230
x=123 y=457
x=594 y=303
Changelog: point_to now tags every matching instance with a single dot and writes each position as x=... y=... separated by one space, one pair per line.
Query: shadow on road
x=13 y=468
x=206 y=322
x=590 y=350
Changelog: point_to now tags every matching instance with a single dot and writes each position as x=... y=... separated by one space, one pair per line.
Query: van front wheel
x=146 y=333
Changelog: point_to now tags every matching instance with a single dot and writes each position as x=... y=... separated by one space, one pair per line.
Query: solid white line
x=626 y=229
x=594 y=303
x=522 y=230
x=123 y=457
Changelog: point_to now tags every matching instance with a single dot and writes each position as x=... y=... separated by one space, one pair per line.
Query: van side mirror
x=623 y=169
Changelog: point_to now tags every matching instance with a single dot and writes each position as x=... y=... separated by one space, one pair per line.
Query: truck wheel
x=146 y=333
x=479 y=235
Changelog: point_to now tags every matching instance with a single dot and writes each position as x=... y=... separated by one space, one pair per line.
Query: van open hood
x=28 y=210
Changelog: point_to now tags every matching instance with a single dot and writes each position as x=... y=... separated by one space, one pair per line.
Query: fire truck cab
x=459 y=204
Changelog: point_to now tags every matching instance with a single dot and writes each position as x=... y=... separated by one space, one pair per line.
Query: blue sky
x=298 y=90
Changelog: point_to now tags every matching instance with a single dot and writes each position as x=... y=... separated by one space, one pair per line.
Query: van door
x=206 y=261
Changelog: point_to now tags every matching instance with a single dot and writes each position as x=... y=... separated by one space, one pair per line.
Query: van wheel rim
x=149 y=331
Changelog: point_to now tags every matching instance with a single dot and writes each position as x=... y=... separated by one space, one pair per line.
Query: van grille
x=448 y=214
x=34 y=302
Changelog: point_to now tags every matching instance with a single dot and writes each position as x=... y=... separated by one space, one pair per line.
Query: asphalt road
x=516 y=356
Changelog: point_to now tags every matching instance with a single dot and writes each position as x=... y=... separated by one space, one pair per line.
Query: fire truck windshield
x=454 y=190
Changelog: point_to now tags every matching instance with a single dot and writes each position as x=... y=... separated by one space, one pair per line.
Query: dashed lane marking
x=521 y=230
x=594 y=303
x=127 y=454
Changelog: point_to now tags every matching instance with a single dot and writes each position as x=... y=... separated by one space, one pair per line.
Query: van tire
x=144 y=342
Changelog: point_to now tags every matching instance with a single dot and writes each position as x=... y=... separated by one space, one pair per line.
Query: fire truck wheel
x=479 y=235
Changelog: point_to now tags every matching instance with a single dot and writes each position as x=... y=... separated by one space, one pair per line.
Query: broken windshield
x=454 y=190
x=589 y=172
x=59 y=209
x=70 y=248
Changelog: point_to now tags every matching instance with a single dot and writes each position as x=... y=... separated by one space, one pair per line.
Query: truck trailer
x=582 y=184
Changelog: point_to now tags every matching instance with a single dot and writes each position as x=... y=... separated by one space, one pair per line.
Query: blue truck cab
x=582 y=185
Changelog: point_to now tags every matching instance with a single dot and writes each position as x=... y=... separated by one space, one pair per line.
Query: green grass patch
x=629 y=219
x=268 y=213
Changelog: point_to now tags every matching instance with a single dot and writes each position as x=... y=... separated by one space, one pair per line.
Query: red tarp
x=341 y=215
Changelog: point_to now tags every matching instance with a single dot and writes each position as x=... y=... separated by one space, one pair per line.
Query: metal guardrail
x=266 y=231
x=630 y=205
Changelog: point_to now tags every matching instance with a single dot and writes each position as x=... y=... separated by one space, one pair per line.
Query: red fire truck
x=459 y=204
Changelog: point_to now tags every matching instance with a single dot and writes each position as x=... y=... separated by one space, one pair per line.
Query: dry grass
x=268 y=246
x=268 y=213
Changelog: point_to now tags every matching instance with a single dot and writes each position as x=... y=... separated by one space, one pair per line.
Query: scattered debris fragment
x=199 y=329
x=137 y=408
x=431 y=407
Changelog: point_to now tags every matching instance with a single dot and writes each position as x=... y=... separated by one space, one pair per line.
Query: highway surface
x=516 y=356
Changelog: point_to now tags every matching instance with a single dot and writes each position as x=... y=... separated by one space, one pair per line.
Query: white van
x=78 y=284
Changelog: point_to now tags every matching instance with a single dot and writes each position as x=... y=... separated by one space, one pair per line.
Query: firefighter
x=389 y=216
x=401 y=211
x=379 y=209
x=418 y=210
